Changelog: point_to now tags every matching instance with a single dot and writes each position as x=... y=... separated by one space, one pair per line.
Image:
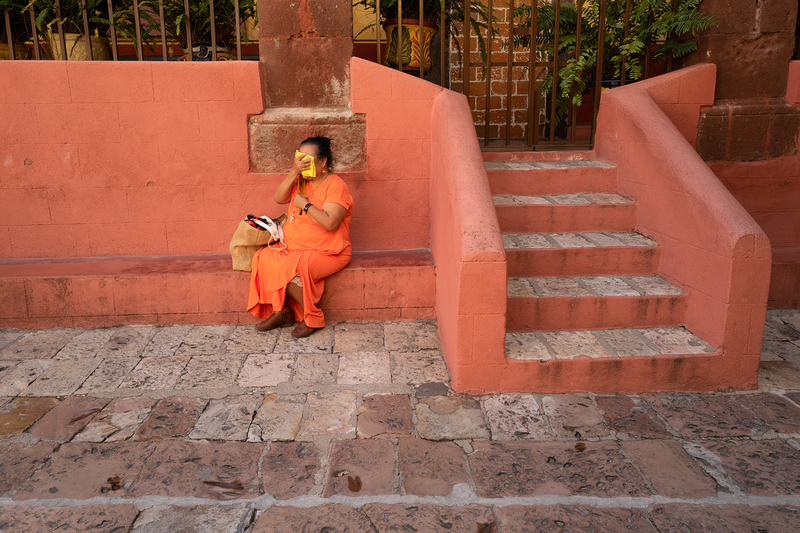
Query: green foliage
x=200 y=19
x=19 y=18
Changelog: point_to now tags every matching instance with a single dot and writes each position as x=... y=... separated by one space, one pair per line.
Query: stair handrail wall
x=710 y=245
x=467 y=248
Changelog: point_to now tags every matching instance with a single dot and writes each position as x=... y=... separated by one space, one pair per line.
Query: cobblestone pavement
x=222 y=429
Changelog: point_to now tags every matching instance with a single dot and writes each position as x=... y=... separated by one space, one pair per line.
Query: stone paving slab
x=516 y=416
x=22 y=412
x=330 y=518
x=108 y=375
x=631 y=416
x=315 y=369
x=410 y=336
x=778 y=375
x=19 y=462
x=360 y=467
x=156 y=373
x=172 y=418
x=63 y=377
x=431 y=468
x=289 y=468
x=419 y=367
x=226 y=419
x=364 y=367
x=764 y=468
x=8 y=337
x=85 y=470
x=670 y=470
x=118 y=421
x=197 y=519
x=127 y=341
x=320 y=342
x=574 y=416
x=68 y=418
x=265 y=370
x=217 y=470
x=680 y=517
x=19 y=375
x=351 y=338
x=385 y=415
x=86 y=343
x=450 y=418
x=329 y=414
x=246 y=340
x=278 y=418
x=210 y=372
x=204 y=340
x=89 y=519
x=42 y=344
x=429 y=518
x=542 y=518
x=166 y=341
x=777 y=412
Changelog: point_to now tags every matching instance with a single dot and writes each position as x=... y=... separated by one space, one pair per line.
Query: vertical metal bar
x=554 y=96
x=421 y=39
x=86 y=35
x=114 y=32
x=598 y=76
x=213 y=30
x=8 y=36
x=378 y=29
x=647 y=48
x=490 y=13
x=60 y=24
x=625 y=40
x=579 y=15
x=164 y=29
x=442 y=39
x=467 y=25
x=533 y=101
x=238 y=31
x=510 y=67
x=400 y=35
x=188 y=30
x=669 y=58
x=138 y=26
x=36 y=51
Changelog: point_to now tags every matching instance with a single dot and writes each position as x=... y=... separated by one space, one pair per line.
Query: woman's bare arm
x=329 y=217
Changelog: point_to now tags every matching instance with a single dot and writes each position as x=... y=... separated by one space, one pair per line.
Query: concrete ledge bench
x=198 y=289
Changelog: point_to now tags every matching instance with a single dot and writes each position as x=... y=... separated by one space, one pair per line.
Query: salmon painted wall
x=128 y=158
x=710 y=245
x=770 y=191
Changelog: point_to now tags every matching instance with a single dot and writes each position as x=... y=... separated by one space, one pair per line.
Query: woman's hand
x=300 y=201
x=301 y=164
x=284 y=191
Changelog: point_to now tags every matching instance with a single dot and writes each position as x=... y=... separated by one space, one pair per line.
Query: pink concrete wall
x=468 y=251
x=709 y=244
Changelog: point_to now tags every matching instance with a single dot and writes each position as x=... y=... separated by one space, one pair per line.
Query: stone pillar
x=752 y=47
x=305 y=49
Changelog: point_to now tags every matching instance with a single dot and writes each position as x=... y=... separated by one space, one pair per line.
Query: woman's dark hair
x=323 y=146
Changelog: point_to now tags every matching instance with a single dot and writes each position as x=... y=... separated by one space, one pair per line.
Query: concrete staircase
x=583 y=285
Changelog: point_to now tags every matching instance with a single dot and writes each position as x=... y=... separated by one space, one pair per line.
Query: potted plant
x=20 y=29
x=73 y=29
x=200 y=25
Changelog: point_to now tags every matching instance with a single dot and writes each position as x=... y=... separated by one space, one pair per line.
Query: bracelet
x=305 y=208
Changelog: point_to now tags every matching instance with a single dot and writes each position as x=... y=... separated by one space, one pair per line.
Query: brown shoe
x=302 y=330
x=279 y=319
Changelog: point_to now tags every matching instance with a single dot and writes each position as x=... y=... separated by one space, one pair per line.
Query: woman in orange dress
x=317 y=238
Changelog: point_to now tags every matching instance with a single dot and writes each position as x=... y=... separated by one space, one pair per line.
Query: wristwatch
x=305 y=207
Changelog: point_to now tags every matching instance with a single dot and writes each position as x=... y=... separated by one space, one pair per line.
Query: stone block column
x=752 y=46
x=305 y=48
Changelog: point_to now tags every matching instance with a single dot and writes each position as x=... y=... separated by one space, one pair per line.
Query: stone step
x=580 y=254
x=561 y=213
x=608 y=360
x=551 y=177
x=550 y=304
x=199 y=289
x=556 y=155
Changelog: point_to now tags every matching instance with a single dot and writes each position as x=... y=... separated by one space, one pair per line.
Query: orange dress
x=312 y=253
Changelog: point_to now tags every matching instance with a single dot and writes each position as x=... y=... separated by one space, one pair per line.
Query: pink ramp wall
x=710 y=246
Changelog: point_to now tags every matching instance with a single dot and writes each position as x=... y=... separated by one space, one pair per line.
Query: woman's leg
x=295 y=292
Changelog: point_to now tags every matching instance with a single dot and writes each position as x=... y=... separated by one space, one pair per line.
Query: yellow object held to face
x=311 y=172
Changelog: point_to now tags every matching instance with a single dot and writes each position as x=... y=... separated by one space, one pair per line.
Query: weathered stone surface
x=632 y=416
x=210 y=372
x=655 y=286
x=22 y=413
x=315 y=369
x=91 y=518
x=127 y=342
x=365 y=337
x=42 y=344
x=19 y=462
x=108 y=375
x=103 y=470
x=764 y=468
x=560 y=287
x=246 y=340
x=166 y=341
x=503 y=469
x=86 y=344
x=62 y=378
x=288 y=469
x=574 y=416
x=420 y=367
x=198 y=518
x=519 y=288
x=328 y=414
x=219 y=470
x=426 y=390
x=360 y=468
x=568 y=344
x=608 y=286
x=155 y=373
x=226 y=419
x=118 y=421
x=410 y=336
x=431 y=468
x=364 y=367
x=774 y=410
x=8 y=337
x=172 y=418
x=706 y=415
x=385 y=415
x=278 y=418
x=266 y=370
x=450 y=418
x=681 y=517
x=204 y=340
x=331 y=517
x=19 y=375
x=429 y=518
x=67 y=418
x=525 y=519
x=320 y=342
x=670 y=470
x=526 y=346
x=516 y=416
x=676 y=341
x=778 y=375
x=626 y=342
